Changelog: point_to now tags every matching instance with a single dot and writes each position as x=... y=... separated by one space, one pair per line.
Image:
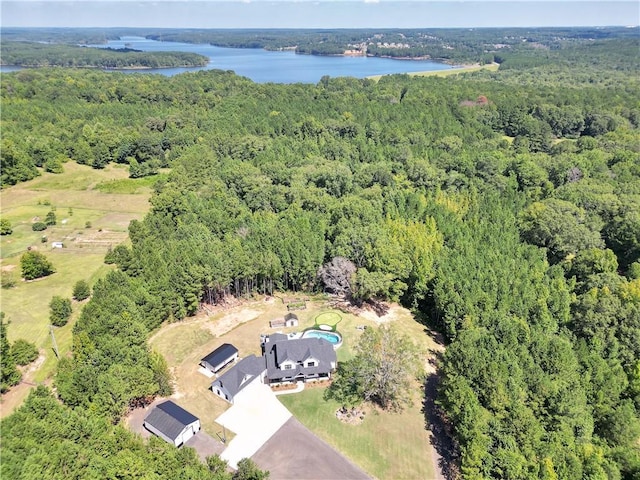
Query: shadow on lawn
x=447 y=455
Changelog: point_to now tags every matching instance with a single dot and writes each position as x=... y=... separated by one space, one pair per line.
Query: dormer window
x=311 y=364
x=288 y=366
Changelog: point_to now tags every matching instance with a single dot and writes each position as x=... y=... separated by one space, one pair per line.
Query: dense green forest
x=28 y=54
x=476 y=45
x=504 y=208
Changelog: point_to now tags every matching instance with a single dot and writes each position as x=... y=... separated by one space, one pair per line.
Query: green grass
x=328 y=318
x=446 y=73
x=76 y=202
x=130 y=185
x=386 y=445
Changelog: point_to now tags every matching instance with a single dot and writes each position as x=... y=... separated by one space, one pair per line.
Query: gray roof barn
x=241 y=375
x=171 y=422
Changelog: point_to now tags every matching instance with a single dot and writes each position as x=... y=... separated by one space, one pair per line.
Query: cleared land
x=446 y=73
x=386 y=445
x=77 y=198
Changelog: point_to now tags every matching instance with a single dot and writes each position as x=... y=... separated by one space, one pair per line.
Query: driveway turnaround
x=295 y=453
x=254 y=417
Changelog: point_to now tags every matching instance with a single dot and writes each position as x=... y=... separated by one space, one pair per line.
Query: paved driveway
x=254 y=417
x=294 y=452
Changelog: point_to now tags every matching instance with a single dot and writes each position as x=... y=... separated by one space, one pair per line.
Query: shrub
x=81 y=290
x=59 y=311
x=8 y=280
x=24 y=352
x=39 y=226
x=50 y=219
x=5 y=227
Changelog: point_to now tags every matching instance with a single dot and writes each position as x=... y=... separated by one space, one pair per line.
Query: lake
x=264 y=66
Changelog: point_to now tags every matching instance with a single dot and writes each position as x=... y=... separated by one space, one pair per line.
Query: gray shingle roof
x=299 y=351
x=170 y=418
x=241 y=374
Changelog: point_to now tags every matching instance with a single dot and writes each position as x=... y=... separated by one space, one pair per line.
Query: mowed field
x=388 y=445
x=446 y=73
x=89 y=222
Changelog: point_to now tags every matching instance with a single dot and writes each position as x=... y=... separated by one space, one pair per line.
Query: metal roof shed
x=172 y=423
x=220 y=357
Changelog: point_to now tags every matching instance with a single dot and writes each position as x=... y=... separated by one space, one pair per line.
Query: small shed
x=220 y=357
x=290 y=320
x=57 y=245
x=172 y=423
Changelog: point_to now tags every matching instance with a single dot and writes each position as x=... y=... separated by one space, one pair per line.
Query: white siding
x=188 y=432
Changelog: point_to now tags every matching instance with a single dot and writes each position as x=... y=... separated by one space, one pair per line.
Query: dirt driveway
x=297 y=454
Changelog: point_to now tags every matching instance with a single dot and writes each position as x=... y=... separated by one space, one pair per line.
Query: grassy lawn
x=77 y=201
x=387 y=445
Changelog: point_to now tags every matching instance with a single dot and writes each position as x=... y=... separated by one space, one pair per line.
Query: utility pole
x=53 y=341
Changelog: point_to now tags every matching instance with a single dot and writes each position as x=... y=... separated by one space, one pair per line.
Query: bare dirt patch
x=351 y=416
x=228 y=322
x=370 y=314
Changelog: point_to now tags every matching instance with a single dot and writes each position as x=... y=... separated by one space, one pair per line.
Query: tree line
x=26 y=54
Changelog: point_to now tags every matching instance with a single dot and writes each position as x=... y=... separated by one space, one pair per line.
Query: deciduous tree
x=35 y=265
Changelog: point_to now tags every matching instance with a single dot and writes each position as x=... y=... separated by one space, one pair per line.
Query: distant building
x=172 y=423
x=220 y=357
x=57 y=245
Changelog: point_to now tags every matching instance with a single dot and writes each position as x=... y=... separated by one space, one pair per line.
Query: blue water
x=332 y=338
x=263 y=66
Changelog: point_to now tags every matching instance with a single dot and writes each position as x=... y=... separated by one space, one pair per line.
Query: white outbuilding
x=172 y=423
x=220 y=358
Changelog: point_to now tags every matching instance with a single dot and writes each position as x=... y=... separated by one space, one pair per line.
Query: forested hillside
x=503 y=207
x=28 y=54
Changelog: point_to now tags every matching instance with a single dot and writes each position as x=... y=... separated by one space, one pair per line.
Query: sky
x=317 y=13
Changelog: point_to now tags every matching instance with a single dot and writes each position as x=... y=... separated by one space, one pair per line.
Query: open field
x=387 y=445
x=76 y=200
x=446 y=73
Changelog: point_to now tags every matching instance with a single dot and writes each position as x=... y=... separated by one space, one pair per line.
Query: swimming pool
x=334 y=338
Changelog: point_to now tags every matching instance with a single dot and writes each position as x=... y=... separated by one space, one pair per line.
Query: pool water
x=333 y=338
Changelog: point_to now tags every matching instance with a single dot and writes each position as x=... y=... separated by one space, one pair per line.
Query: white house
x=172 y=423
x=238 y=377
x=300 y=359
